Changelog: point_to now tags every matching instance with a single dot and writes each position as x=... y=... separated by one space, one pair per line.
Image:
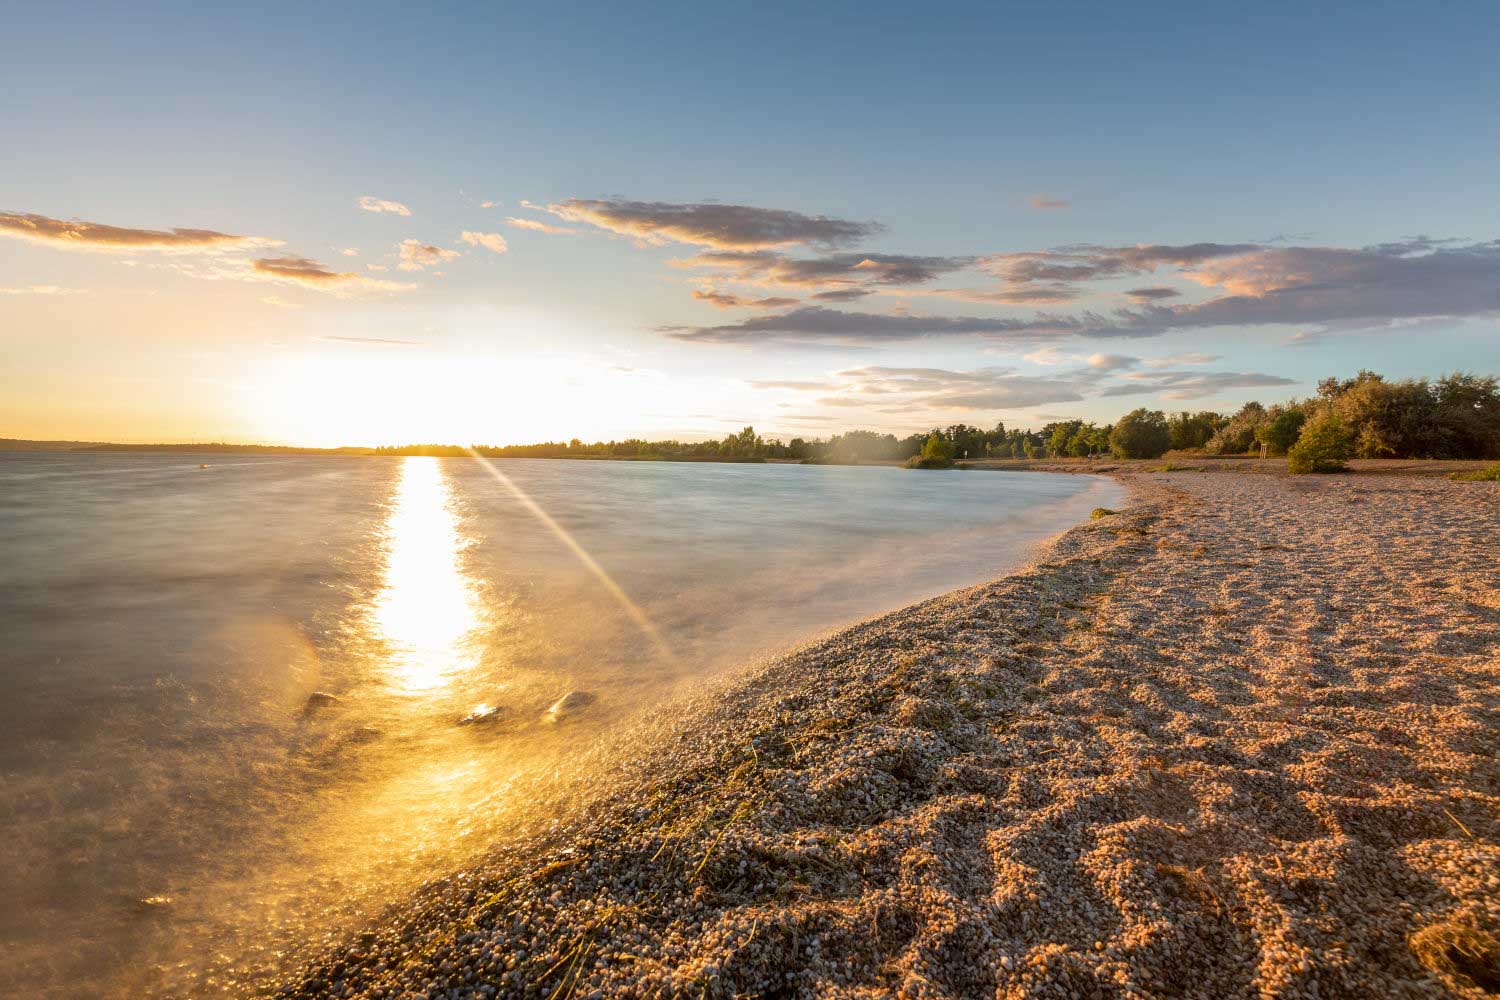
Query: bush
x=1280 y=432
x=1140 y=434
x=937 y=453
x=1490 y=475
x=1237 y=436
x=1325 y=445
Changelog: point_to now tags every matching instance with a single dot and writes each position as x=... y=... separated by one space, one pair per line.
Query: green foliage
x=1490 y=475
x=1458 y=416
x=1324 y=446
x=1099 y=512
x=937 y=453
x=1193 y=430
x=1237 y=435
x=1140 y=433
x=1280 y=431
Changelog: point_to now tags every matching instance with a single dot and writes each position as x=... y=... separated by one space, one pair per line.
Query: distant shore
x=1171 y=462
x=1236 y=740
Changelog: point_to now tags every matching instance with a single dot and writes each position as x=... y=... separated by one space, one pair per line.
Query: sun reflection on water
x=428 y=609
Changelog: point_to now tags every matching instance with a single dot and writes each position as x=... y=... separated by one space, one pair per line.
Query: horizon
x=553 y=246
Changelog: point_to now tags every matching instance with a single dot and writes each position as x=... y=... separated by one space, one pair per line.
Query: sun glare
x=428 y=609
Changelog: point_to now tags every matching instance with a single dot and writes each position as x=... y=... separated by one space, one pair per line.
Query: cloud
x=94 y=236
x=43 y=290
x=1152 y=294
x=1370 y=288
x=1026 y=295
x=1190 y=358
x=818 y=324
x=279 y=302
x=372 y=204
x=375 y=341
x=725 y=300
x=350 y=251
x=1045 y=203
x=416 y=255
x=843 y=294
x=1111 y=362
x=793 y=384
x=1050 y=355
x=490 y=204
x=943 y=389
x=833 y=270
x=1191 y=385
x=1087 y=262
x=539 y=227
x=710 y=224
x=311 y=274
x=490 y=241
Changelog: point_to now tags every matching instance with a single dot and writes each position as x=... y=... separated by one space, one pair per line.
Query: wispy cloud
x=1190 y=385
x=1189 y=358
x=490 y=241
x=844 y=270
x=43 y=290
x=539 y=227
x=945 y=389
x=375 y=341
x=1154 y=293
x=818 y=324
x=311 y=274
x=372 y=204
x=72 y=234
x=1044 y=203
x=417 y=256
x=724 y=300
x=710 y=224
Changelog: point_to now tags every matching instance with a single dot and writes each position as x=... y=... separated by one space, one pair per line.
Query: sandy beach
x=1235 y=740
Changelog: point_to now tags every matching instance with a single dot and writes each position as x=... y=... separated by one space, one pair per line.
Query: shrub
x=1140 y=434
x=1237 y=436
x=1490 y=475
x=937 y=453
x=1325 y=445
x=1280 y=432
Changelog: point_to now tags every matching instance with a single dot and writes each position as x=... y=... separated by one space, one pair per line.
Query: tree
x=1324 y=446
x=1280 y=432
x=1141 y=433
x=1237 y=436
x=1192 y=430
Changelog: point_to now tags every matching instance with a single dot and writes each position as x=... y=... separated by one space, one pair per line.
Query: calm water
x=177 y=814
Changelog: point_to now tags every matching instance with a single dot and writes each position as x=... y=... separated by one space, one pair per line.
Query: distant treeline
x=1454 y=417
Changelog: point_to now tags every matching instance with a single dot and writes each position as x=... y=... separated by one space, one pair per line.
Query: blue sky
x=1287 y=139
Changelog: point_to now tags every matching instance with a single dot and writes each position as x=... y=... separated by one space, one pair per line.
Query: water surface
x=182 y=803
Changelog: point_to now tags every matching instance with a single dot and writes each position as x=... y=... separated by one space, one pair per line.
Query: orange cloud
x=94 y=236
x=311 y=274
x=490 y=241
x=416 y=255
x=539 y=227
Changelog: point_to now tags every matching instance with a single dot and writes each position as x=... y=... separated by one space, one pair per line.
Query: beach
x=1236 y=739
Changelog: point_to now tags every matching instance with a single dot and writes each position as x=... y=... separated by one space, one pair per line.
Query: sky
x=381 y=223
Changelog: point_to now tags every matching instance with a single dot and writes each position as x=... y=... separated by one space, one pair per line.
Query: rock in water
x=482 y=713
x=319 y=699
x=568 y=704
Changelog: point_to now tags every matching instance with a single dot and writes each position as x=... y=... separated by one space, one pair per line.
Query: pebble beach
x=1236 y=739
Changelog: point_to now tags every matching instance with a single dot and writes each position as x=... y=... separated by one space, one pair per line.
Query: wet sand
x=1237 y=740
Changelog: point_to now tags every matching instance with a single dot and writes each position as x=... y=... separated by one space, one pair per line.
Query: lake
x=233 y=697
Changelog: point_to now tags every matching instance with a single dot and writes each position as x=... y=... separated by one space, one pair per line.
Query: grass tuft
x=1099 y=512
x=1460 y=949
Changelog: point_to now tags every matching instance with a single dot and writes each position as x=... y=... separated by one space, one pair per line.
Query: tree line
x=1455 y=416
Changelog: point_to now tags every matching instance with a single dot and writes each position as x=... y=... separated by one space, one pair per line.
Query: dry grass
x=1460 y=949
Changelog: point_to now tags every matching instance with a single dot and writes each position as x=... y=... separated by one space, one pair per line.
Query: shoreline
x=985 y=792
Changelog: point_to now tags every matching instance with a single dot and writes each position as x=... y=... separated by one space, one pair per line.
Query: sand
x=1237 y=740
